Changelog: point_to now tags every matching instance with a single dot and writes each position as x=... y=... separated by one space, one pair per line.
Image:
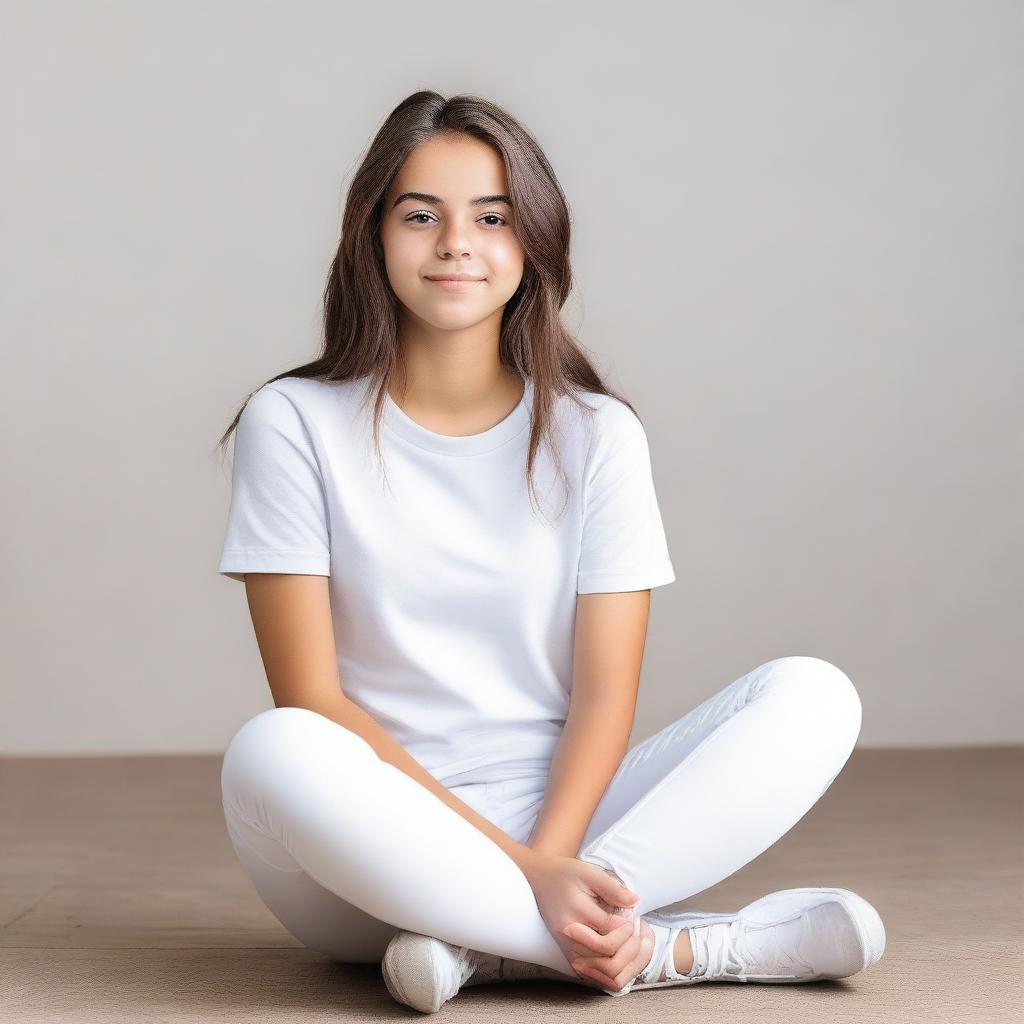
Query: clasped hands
x=590 y=914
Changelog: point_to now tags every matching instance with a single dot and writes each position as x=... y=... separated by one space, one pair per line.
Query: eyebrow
x=426 y=197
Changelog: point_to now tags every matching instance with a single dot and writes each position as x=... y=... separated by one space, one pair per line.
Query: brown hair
x=360 y=314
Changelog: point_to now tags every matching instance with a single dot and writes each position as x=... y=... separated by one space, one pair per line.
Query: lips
x=455 y=284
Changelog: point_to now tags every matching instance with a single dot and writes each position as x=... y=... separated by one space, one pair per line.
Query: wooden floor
x=121 y=900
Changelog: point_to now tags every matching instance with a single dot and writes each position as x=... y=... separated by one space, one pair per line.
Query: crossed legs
x=344 y=848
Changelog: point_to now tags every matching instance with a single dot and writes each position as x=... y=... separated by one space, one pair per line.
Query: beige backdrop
x=797 y=241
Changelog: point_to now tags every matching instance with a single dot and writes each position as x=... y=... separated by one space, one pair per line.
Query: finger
x=633 y=956
x=600 y=917
x=578 y=948
x=600 y=943
x=614 y=966
x=606 y=924
x=591 y=942
x=611 y=888
x=638 y=963
x=602 y=979
x=615 y=972
x=618 y=961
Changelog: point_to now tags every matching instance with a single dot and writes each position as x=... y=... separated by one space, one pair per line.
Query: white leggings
x=345 y=849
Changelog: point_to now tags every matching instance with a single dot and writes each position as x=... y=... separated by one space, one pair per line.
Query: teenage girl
x=448 y=532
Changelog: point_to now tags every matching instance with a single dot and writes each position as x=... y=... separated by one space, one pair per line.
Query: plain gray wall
x=797 y=247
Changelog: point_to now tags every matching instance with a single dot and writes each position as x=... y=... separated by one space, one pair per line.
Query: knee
x=822 y=689
x=270 y=746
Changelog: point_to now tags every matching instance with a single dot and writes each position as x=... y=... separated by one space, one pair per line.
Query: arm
x=291 y=615
x=611 y=631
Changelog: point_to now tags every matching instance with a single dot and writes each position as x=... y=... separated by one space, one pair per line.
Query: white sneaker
x=425 y=972
x=790 y=936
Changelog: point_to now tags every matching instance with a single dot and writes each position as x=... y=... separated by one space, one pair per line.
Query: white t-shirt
x=453 y=601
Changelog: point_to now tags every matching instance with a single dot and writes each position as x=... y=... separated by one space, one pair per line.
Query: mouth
x=456 y=284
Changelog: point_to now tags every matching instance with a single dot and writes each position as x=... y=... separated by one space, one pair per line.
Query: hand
x=615 y=967
x=588 y=911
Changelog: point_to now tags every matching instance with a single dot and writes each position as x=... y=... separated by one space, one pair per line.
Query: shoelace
x=726 y=957
x=723 y=956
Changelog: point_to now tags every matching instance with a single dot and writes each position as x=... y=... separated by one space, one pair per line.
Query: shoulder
x=601 y=408
x=607 y=421
x=269 y=411
x=303 y=393
x=290 y=401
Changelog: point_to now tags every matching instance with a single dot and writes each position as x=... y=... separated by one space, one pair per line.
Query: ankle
x=682 y=952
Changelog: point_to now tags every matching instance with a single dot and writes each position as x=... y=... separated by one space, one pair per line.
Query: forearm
x=352 y=717
x=593 y=742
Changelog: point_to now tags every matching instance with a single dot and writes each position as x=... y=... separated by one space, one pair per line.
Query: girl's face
x=446 y=213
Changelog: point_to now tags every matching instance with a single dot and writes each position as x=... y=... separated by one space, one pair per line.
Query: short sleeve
x=277 y=519
x=623 y=544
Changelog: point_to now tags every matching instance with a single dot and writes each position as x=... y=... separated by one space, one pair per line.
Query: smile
x=456 y=286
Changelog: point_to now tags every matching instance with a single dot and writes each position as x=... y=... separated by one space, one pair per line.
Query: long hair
x=360 y=309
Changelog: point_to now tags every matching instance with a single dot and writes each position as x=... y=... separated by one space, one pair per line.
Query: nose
x=453 y=241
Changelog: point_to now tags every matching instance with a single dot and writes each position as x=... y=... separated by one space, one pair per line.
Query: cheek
x=505 y=258
x=403 y=253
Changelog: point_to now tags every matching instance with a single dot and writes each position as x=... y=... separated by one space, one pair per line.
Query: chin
x=459 y=320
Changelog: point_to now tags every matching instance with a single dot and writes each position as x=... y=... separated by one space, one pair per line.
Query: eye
x=412 y=218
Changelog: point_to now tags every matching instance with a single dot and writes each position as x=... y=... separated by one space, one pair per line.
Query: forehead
x=456 y=169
